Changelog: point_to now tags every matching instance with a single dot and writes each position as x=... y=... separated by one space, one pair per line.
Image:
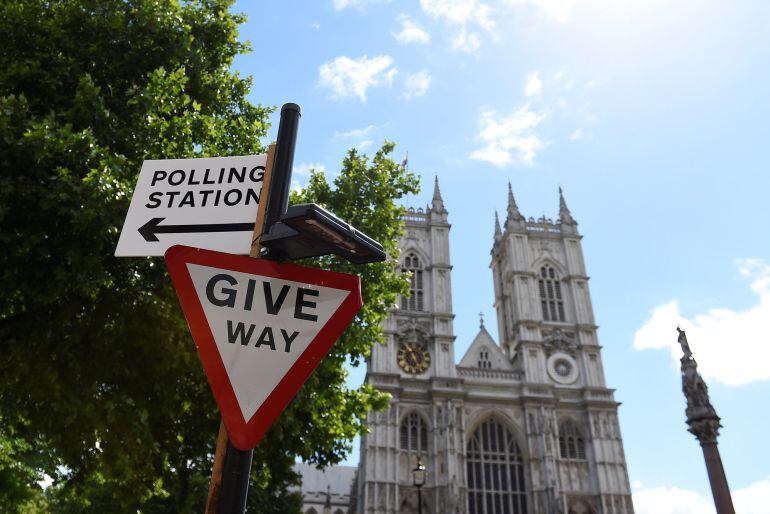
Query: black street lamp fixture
x=418 y=479
x=307 y=230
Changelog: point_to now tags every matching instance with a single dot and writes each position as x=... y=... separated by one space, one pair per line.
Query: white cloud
x=360 y=139
x=460 y=16
x=411 y=32
x=359 y=4
x=563 y=80
x=593 y=84
x=534 y=84
x=458 y=12
x=557 y=9
x=581 y=135
x=356 y=133
x=466 y=41
x=303 y=169
x=753 y=499
x=673 y=500
x=519 y=137
x=720 y=338
x=416 y=84
x=343 y=4
x=560 y=75
x=300 y=175
x=509 y=139
x=348 y=77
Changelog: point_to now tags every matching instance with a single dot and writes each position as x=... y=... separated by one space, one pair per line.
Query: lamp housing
x=418 y=474
x=308 y=230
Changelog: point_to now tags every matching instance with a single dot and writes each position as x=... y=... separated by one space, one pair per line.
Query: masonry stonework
x=523 y=425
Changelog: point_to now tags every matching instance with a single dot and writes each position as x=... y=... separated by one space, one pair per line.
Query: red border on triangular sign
x=246 y=435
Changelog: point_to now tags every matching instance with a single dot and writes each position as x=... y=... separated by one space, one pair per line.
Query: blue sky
x=652 y=115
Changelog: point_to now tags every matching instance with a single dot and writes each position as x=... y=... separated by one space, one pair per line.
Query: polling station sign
x=208 y=202
x=261 y=328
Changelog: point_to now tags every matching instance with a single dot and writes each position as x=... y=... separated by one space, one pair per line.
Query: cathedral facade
x=523 y=425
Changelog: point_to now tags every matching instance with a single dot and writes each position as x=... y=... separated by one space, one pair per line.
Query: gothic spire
x=513 y=209
x=564 y=214
x=438 y=202
x=498 y=232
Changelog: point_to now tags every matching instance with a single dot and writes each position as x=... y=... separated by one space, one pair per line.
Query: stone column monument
x=704 y=425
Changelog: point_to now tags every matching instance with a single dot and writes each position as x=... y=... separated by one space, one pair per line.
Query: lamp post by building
x=418 y=480
x=704 y=425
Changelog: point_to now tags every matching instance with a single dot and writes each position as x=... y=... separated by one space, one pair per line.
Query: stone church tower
x=526 y=426
x=548 y=332
x=417 y=366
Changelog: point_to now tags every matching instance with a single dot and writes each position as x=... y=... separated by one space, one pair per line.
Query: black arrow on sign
x=150 y=229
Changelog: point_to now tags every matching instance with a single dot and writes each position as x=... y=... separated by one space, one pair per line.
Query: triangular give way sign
x=261 y=328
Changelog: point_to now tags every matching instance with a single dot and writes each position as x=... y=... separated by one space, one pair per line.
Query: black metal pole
x=237 y=466
x=280 y=183
x=419 y=499
x=235 y=480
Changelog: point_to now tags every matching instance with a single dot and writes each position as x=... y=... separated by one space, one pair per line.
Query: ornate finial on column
x=701 y=416
x=498 y=232
x=564 y=215
x=704 y=424
x=481 y=320
x=438 y=202
x=513 y=209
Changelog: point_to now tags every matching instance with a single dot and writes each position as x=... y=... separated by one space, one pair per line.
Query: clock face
x=413 y=358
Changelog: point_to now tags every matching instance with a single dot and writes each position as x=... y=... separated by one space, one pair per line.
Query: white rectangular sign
x=206 y=203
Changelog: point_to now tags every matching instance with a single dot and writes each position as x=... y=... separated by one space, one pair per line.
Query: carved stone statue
x=559 y=341
x=696 y=392
x=695 y=389
x=683 y=342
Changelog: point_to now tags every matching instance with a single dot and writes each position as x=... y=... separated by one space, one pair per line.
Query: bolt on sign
x=261 y=328
x=209 y=203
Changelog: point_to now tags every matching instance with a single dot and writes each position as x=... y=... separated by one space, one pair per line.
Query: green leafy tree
x=365 y=193
x=325 y=416
x=100 y=386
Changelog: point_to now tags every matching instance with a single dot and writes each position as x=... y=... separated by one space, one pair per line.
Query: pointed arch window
x=484 y=362
x=571 y=443
x=415 y=300
x=495 y=468
x=551 y=299
x=414 y=434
